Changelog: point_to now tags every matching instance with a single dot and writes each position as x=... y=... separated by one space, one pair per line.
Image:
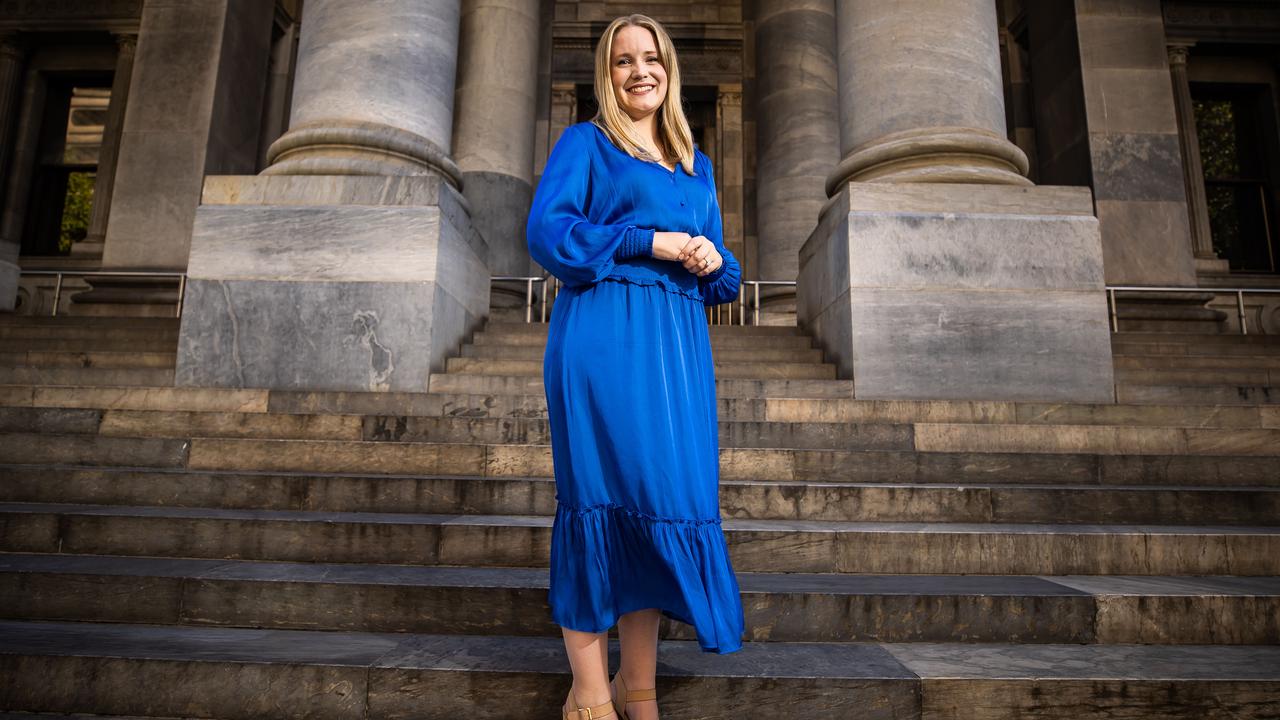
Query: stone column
x=938 y=271
x=729 y=175
x=495 y=121
x=350 y=263
x=373 y=93
x=1193 y=172
x=921 y=95
x=12 y=58
x=126 y=45
x=797 y=131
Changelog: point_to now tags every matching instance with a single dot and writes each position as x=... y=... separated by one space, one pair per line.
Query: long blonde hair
x=673 y=126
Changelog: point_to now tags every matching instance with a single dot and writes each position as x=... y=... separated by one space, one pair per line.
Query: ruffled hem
x=661 y=282
x=607 y=560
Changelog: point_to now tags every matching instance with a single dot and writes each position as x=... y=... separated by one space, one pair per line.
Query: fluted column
x=126 y=45
x=374 y=91
x=12 y=58
x=1192 y=169
x=495 y=121
x=797 y=127
x=921 y=96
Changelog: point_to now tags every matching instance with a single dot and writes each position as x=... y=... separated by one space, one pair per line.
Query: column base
x=9 y=274
x=357 y=283
x=953 y=291
x=1212 y=266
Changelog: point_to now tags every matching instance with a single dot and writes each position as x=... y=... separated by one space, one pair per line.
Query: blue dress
x=631 y=396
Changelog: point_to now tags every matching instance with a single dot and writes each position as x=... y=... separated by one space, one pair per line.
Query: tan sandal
x=629 y=696
x=604 y=709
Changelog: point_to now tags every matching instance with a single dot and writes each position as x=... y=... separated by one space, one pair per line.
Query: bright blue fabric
x=631 y=397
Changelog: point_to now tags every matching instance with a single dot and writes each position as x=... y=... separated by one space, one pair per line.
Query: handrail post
x=182 y=293
x=1240 y=309
x=57 y=293
x=755 y=312
x=528 y=300
x=1115 y=320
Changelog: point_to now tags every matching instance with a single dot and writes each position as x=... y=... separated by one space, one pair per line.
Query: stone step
x=744 y=499
x=1195 y=338
x=726 y=387
x=752 y=370
x=921 y=436
x=754 y=545
x=1190 y=351
x=533 y=405
x=85 y=332
x=1198 y=394
x=521 y=328
x=108 y=344
x=36 y=375
x=507 y=460
x=718 y=340
x=252 y=673
x=1222 y=610
x=11 y=319
x=1198 y=376
x=91 y=358
x=722 y=355
x=1189 y=362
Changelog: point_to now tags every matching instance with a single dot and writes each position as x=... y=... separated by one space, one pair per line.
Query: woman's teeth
x=640 y=90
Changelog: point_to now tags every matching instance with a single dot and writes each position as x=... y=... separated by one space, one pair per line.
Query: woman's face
x=639 y=80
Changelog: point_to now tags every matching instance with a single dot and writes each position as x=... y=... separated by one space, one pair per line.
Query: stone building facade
x=352 y=175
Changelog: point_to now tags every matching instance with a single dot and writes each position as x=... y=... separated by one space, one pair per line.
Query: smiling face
x=639 y=80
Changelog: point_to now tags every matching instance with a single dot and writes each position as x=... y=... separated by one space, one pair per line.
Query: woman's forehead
x=633 y=39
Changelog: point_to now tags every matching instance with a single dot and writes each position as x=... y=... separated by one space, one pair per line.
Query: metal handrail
x=550 y=283
x=57 y=287
x=1238 y=292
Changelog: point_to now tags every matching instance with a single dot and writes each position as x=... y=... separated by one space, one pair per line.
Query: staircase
x=192 y=552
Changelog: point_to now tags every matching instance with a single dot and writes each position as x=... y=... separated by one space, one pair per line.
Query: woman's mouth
x=641 y=89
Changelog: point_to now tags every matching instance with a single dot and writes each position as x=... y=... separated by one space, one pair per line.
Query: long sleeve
x=720 y=286
x=559 y=236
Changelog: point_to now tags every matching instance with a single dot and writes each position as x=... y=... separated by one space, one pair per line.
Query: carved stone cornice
x=70 y=14
x=1241 y=20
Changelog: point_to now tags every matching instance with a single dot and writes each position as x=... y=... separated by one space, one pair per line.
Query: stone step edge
x=545 y=521
x=790 y=484
x=544 y=656
x=848 y=584
x=990 y=412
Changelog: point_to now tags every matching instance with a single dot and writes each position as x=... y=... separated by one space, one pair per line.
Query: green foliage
x=76 y=210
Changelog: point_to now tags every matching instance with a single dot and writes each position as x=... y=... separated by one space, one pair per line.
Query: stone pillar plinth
x=952 y=291
x=495 y=121
x=126 y=45
x=351 y=262
x=797 y=134
x=374 y=91
x=937 y=270
x=921 y=97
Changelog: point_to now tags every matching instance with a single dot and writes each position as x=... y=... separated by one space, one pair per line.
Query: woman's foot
x=587 y=701
x=636 y=709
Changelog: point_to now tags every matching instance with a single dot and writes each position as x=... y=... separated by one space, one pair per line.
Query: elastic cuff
x=636 y=242
x=715 y=274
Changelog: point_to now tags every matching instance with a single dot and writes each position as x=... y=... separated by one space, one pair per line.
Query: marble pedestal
x=311 y=282
x=960 y=291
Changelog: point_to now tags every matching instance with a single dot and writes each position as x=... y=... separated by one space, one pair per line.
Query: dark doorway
x=61 y=199
x=1236 y=129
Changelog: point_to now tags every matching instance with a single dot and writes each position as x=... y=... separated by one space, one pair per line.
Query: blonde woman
x=626 y=216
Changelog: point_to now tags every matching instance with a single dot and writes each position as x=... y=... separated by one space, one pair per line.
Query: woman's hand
x=700 y=256
x=668 y=245
x=697 y=253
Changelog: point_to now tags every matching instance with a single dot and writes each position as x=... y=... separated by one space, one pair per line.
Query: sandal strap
x=590 y=713
x=637 y=695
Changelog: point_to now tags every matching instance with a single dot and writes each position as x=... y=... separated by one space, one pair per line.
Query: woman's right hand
x=668 y=245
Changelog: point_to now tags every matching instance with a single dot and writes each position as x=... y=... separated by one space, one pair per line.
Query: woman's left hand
x=700 y=256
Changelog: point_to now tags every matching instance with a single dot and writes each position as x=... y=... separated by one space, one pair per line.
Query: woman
x=626 y=216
